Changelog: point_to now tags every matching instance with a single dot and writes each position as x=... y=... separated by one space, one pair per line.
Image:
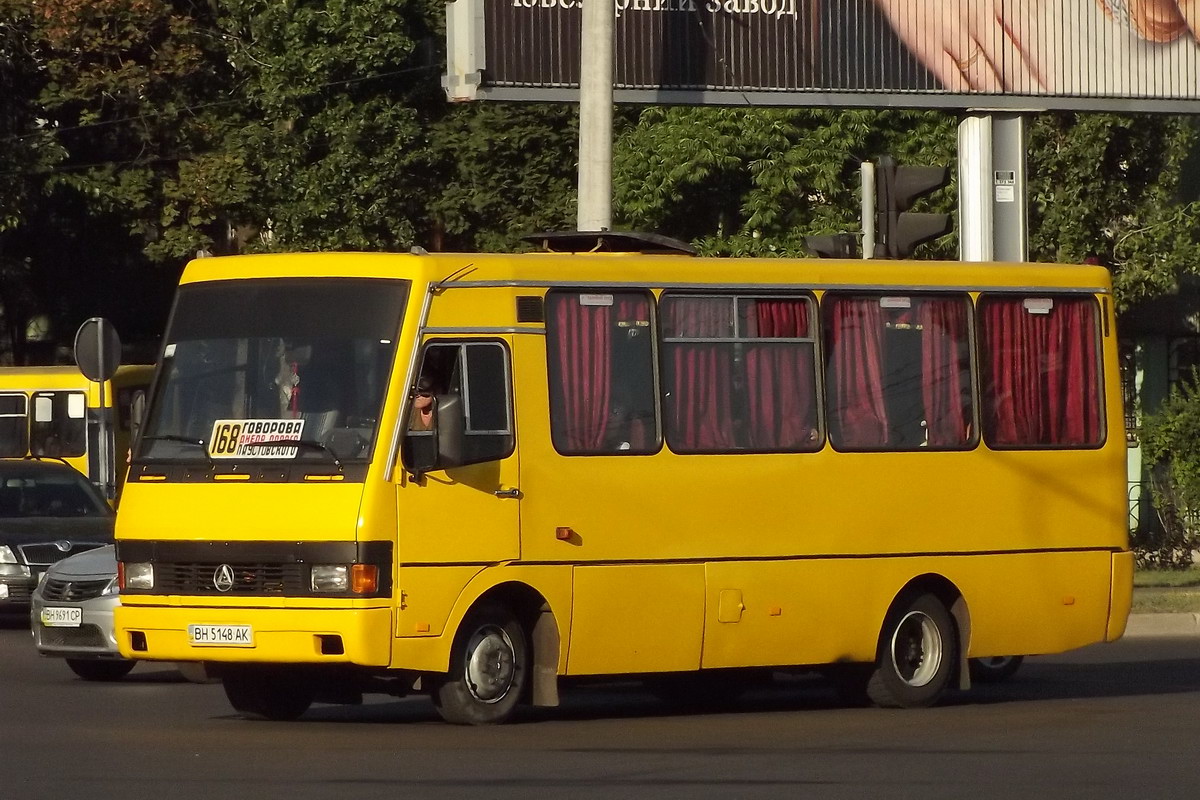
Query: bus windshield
x=252 y=364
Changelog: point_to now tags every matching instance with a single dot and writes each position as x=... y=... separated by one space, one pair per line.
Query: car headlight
x=110 y=588
x=135 y=575
x=9 y=566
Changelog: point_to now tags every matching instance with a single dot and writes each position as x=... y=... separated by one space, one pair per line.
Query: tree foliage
x=758 y=181
x=334 y=100
x=503 y=171
x=1105 y=187
x=1169 y=439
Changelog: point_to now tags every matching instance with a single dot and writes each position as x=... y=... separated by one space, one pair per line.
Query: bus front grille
x=231 y=579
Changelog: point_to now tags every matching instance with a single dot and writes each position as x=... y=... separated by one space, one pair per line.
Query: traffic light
x=835 y=245
x=898 y=231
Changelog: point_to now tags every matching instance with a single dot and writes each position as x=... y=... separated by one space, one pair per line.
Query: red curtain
x=944 y=370
x=857 y=411
x=585 y=365
x=1042 y=379
x=779 y=377
x=1073 y=385
x=583 y=343
x=698 y=406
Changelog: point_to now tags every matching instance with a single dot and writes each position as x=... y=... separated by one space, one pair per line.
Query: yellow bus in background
x=474 y=475
x=55 y=412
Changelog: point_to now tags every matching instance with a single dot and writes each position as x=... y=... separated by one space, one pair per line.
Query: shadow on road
x=629 y=699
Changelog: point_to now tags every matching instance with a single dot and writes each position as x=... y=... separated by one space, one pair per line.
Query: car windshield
x=253 y=364
x=48 y=494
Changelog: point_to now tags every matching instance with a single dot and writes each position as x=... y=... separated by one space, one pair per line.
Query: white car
x=71 y=617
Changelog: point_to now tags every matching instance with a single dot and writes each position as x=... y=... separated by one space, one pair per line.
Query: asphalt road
x=1120 y=720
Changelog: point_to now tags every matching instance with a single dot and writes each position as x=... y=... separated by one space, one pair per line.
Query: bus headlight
x=342 y=578
x=330 y=578
x=135 y=575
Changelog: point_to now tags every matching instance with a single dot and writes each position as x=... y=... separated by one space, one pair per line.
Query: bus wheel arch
x=920 y=648
x=504 y=653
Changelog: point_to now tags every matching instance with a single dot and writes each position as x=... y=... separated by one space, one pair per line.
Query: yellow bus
x=55 y=412
x=474 y=475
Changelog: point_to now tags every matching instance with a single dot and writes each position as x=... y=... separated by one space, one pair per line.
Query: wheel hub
x=489 y=668
x=916 y=649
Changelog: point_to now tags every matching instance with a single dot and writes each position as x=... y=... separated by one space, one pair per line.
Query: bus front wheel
x=917 y=653
x=489 y=668
x=258 y=693
x=98 y=670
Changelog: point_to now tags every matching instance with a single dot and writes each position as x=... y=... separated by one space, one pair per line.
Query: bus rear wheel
x=489 y=668
x=266 y=693
x=917 y=652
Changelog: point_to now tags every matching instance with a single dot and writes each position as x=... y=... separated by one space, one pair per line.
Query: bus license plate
x=62 y=617
x=221 y=635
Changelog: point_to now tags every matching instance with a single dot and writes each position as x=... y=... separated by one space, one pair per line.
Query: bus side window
x=898 y=371
x=472 y=422
x=600 y=347
x=14 y=425
x=59 y=426
x=739 y=373
x=1041 y=377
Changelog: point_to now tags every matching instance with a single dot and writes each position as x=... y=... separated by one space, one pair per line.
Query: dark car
x=48 y=511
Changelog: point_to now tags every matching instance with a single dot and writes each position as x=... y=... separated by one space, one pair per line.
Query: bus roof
x=615 y=269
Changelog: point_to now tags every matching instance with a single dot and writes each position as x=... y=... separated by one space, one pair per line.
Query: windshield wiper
x=309 y=443
x=173 y=437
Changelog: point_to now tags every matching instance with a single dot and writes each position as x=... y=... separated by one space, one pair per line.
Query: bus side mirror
x=440 y=447
x=451 y=422
x=137 y=412
x=420 y=452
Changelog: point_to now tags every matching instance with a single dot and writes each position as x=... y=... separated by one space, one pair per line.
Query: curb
x=1174 y=624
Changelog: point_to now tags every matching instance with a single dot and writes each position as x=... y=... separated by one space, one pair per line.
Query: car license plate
x=221 y=635
x=62 y=616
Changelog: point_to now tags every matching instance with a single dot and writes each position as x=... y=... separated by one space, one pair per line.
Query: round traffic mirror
x=97 y=349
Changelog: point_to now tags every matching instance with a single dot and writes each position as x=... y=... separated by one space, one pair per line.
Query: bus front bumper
x=276 y=635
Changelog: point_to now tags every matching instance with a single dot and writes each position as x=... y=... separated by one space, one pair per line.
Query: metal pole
x=975 y=236
x=595 y=116
x=103 y=456
x=868 y=209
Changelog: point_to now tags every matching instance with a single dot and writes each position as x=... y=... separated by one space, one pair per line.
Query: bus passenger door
x=458 y=501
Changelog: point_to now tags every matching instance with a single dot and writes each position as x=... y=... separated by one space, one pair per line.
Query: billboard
x=1115 y=55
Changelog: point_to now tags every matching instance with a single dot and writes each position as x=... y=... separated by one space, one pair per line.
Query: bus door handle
x=514 y=494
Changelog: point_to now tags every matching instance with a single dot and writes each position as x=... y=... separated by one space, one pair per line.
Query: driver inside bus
x=424 y=406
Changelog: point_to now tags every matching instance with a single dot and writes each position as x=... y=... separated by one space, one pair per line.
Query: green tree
x=27 y=150
x=504 y=171
x=1106 y=187
x=109 y=96
x=137 y=93
x=335 y=99
x=757 y=181
x=1169 y=439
